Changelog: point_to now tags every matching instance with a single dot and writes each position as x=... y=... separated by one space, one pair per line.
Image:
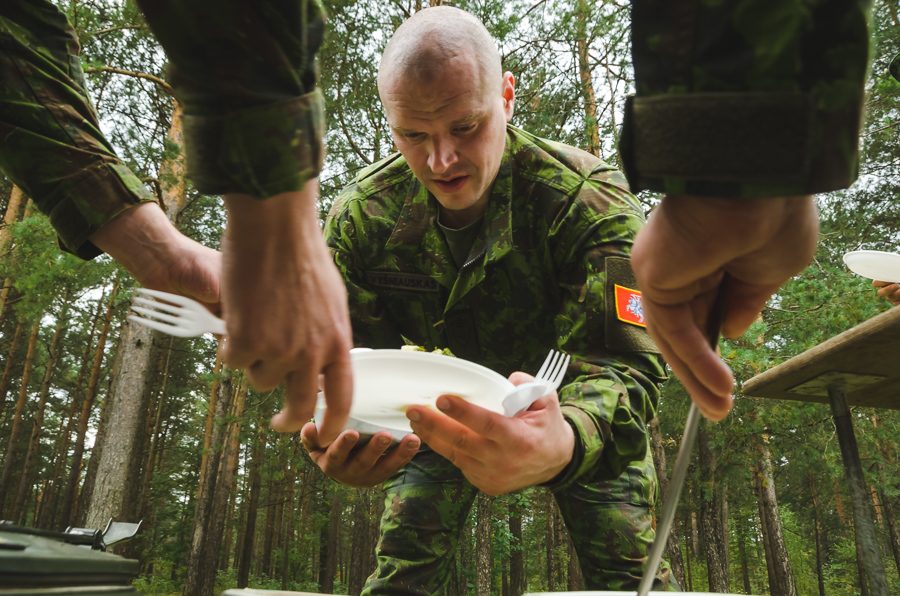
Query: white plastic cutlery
x=547 y=379
x=184 y=317
x=173 y=314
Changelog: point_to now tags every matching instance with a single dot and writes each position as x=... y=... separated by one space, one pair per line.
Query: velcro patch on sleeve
x=625 y=324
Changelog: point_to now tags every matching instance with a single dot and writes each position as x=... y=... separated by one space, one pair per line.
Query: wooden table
x=859 y=367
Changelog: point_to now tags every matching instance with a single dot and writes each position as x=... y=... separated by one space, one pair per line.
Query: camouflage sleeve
x=371 y=325
x=745 y=98
x=245 y=73
x=617 y=368
x=51 y=145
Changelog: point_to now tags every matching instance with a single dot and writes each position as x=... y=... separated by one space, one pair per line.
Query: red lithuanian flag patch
x=629 y=306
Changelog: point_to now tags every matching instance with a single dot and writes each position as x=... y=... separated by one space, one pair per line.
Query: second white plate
x=874 y=264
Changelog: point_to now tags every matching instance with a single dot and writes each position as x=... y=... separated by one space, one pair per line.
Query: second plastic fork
x=548 y=379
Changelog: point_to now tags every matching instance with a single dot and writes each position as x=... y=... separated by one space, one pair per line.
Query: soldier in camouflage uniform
x=487 y=240
x=245 y=75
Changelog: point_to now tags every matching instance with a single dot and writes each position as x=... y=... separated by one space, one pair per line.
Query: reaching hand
x=680 y=257
x=368 y=465
x=498 y=454
x=889 y=291
x=151 y=248
x=285 y=307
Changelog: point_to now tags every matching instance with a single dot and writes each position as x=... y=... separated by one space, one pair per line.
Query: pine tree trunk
x=773 y=533
x=246 y=542
x=483 y=533
x=771 y=573
x=308 y=551
x=839 y=506
x=889 y=457
x=687 y=565
x=8 y=367
x=890 y=519
x=211 y=498
x=118 y=442
x=210 y=419
x=745 y=564
x=118 y=439
x=265 y=562
x=222 y=492
x=504 y=577
x=365 y=536
x=559 y=547
x=817 y=528
x=328 y=565
x=711 y=523
x=12 y=215
x=26 y=474
x=149 y=456
x=287 y=515
x=516 y=558
x=695 y=534
x=551 y=537
x=359 y=541
x=154 y=430
x=50 y=507
x=277 y=571
x=585 y=76
x=68 y=510
x=673 y=552
x=10 y=461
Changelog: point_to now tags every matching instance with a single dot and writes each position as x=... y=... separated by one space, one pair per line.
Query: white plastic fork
x=173 y=314
x=548 y=379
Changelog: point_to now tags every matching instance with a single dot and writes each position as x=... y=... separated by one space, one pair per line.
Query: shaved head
x=447 y=102
x=428 y=42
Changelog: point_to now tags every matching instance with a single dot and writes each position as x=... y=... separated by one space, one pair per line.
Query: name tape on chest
x=395 y=280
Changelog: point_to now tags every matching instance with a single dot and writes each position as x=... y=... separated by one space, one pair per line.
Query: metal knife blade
x=682 y=460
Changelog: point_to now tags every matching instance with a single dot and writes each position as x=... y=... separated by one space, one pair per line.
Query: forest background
x=100 y=418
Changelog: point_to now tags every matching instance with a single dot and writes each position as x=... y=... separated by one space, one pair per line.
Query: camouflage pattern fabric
x=50 y=141
x=244 y=71
x=246 y=75
x=746 y=98
x=541 y=273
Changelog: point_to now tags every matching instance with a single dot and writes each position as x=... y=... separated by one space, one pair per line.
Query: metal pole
x=866 y=539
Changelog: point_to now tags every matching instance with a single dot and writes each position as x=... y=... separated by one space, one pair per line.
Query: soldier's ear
x=508 y=92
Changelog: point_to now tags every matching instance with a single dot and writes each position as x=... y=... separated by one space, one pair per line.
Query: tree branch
x=131 y=73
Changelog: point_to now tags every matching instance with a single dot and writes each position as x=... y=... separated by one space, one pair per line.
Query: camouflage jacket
x=253 y=115
x=51 y=145
x=745 y=98
x=542 y=273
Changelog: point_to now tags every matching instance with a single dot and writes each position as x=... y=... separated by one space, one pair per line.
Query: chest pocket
x=513 y=310
x=413 y=303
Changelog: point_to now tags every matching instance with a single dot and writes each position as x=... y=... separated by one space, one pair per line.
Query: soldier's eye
x=463 y=129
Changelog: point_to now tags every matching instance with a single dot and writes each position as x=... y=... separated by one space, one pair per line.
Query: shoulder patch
x=625 y=324
x=629 y=307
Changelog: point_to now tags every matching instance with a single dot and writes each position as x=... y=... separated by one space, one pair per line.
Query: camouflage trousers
x=610 y=522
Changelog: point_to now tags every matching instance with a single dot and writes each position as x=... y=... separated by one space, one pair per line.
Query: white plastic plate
x=387 y=382
x=874 y=264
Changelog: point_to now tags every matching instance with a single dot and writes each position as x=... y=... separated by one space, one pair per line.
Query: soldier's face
x=452 y=132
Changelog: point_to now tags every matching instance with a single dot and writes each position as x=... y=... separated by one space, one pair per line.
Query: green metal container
x=34 y=562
